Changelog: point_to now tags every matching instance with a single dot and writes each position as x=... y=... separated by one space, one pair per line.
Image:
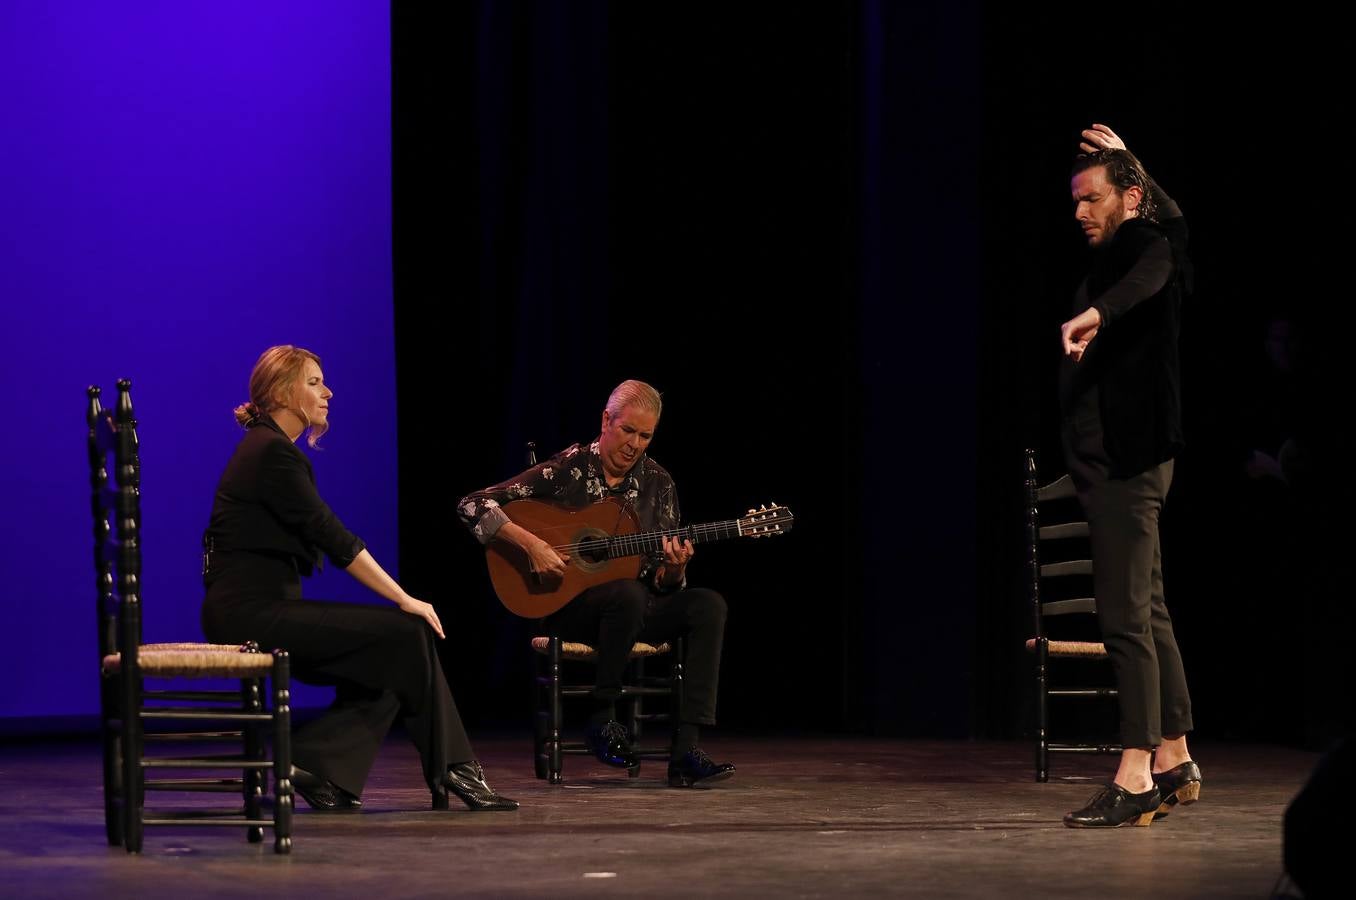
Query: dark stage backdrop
x=838 y=238
x=184 y=185
x=724 y=203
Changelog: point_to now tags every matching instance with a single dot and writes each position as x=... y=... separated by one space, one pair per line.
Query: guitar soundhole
x=592 y=549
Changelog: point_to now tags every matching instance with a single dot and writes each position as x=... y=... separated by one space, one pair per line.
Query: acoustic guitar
x=604 y=543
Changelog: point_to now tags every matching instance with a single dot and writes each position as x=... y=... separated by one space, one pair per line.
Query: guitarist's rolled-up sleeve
x=482 y=515
x=481 y=511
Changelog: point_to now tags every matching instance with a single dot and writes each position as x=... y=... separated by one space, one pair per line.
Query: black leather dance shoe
x=696 y=770
x=611 y=744
x=467 y=781
x=322 y=794
x=1114 y=806
x=1180 y=784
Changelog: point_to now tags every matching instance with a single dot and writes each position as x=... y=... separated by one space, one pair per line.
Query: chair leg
x=133 y=789
x=540 y=727
x=553 y=754
x=282 y=752
x=252 y=779
x=111 y=739
x=677 y=687
x=636 y=708
x=1042 y=710
x=540 y=721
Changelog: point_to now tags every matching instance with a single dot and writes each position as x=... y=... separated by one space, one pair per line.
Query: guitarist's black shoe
x=696 y=770
x=612 y=745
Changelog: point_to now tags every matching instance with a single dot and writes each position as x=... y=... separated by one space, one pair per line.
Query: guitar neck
x=597 y=553
x=653 y=541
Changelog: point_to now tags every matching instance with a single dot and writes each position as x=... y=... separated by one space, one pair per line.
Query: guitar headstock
x=766 y=521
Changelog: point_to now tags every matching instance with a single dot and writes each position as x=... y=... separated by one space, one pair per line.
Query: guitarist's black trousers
x=611 y=617
x=382 y=662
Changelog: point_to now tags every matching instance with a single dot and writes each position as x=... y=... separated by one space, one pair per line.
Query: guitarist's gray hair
x=634 y=393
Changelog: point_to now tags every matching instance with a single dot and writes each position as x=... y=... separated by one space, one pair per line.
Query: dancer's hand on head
x=1100 y=137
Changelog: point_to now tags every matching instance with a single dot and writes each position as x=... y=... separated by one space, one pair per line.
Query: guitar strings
x=639 y=541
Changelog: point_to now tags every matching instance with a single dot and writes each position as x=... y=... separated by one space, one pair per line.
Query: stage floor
x=803 y=817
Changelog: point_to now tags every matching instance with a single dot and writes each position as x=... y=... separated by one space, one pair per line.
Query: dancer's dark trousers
x=1128 y=582
x=612 y=617
x=382 y=662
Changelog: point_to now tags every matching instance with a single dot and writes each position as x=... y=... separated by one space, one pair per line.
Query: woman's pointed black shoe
x=467 y=781
x=1180 y=784
x=321 y=794
x=1114 y=806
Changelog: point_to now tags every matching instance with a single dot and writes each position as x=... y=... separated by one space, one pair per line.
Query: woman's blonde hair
x=273 y=386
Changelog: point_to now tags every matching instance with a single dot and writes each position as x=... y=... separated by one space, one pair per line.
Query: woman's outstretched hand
x=369 y=573
x=423 y=610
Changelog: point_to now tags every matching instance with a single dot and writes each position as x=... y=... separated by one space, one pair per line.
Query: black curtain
x=837 y=238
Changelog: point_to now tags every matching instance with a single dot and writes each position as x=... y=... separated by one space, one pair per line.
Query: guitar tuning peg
x=751 y=511
x=762 y=508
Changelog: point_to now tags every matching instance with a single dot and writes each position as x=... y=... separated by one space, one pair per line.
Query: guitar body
x=528 y=594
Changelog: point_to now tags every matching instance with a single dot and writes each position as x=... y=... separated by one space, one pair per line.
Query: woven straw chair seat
x=194 y=660
x=219 y=648
x=575 y=650
x=1085 y=649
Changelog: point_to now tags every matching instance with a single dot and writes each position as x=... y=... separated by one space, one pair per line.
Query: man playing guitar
x=654 y=607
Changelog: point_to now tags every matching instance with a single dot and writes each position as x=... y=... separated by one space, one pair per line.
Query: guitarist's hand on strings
x=542 y=558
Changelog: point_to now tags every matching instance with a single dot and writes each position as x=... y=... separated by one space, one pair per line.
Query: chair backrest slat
x=1064 y=531
x=1065 y=607
x=1038 y=499
x=1069 y=567
x=1060 y=489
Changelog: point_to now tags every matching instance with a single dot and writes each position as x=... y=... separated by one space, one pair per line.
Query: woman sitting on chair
x=270 y=527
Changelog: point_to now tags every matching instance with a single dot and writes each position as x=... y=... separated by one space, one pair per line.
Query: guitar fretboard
x=653 y=541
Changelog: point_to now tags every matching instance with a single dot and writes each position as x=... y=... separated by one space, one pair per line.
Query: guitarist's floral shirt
x=574 y=477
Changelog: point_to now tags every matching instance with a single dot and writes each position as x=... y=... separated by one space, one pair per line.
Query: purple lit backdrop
x=184 y=185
